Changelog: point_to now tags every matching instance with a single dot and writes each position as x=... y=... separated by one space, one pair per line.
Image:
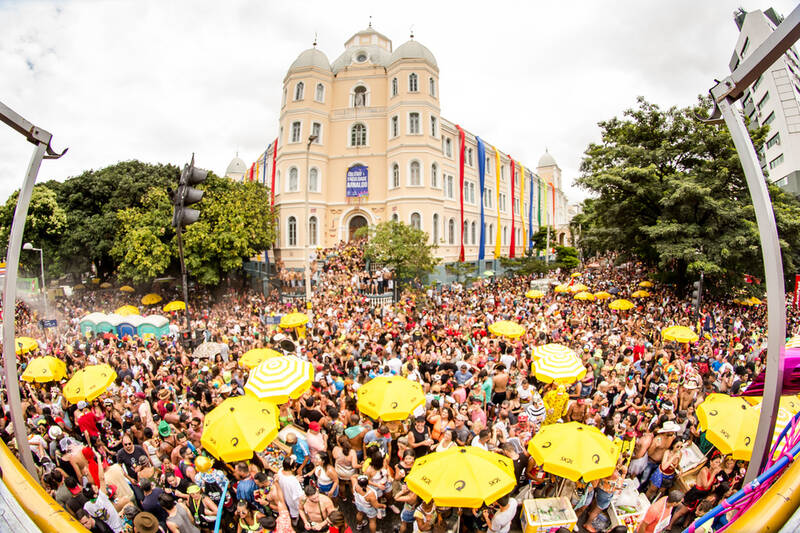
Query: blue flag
x=482 y=174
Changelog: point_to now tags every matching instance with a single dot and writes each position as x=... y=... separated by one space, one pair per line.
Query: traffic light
x=697 y=295
x=187 y=195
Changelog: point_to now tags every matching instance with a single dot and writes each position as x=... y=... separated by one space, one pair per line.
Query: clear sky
x=157 y=80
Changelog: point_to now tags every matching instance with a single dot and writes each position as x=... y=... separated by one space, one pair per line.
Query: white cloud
x=156 y=80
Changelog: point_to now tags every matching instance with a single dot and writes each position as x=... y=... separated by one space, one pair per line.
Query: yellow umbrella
x=293 y=320
x=583 y=295
x=562 y=288
x=551 y=349
x=533 y=294
x=127 y=288
x=280 y=378
x=89 y=383
x=105 y=285
x=25 y=345
x=560 y=368
x=646 y=284
x=507 y=328
x=794 y=342
x=96 y=281
x=252 y=358
x=621 y=305
x=239 y=426
x=150 y=299
x=579 y=287
x=390 y=398
x=754 y=301
x=78 y=287
x=175 y=305
x=680 y=334
x=602 y=295
x=44 y=369
x=465 y=476
x=640 y=294
x=127 y=310
x=589 y=455
x=575 y=275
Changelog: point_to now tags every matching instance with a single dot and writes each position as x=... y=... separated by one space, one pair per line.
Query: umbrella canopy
x=239 y=426
x=679 y=334
x=150 y=299
x=590 y=455
x=44 y=369
x=78 y=287
x=105 y=285
x=593 y=265
x=560 y=368
x=534 y=294
x=127 y=288
x=507 y=328
x=562 y=288
x=646 y=284
x=621 y=305
x=462 y=476
x=25 y=345
x=640 y=294
x=578 y=287
x=280 y=378
x=794 y=342
x=390 y=398
x=89 y=383
x=754 y=301
x=207 y=350
x=488 y=273
x=552 y=349
x=602 y=295
x=127 y=310
x=175 y=305
x=252 y=358
x=293 y=320
x=575 y=275
x=584 y=295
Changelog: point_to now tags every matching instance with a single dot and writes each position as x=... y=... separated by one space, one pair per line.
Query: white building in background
x=236 y=169
x=774 y=99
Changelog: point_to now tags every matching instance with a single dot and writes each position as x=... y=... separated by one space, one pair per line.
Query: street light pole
x=29 y=246
x=311 y=139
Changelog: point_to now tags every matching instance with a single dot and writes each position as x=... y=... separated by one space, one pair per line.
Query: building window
x=412 y=83
x=319 y=96
x=313 y=180
x=291 y=233
x=278 y=182
x=502 y=172
x=432 y=86
x=312 y=231
x=488 y=194
x=451 y=231
x=775 y=140
x=505 y=236
x=775 y=162
x=360 y=96
x=490 y=234
x=394 y=86
x=433 y=126
x=469 y=192
x=298 y=91
x=415 y=173
x=466 y=232
x=469 y=156
x=448 y=147
x=502 y=201
x=435 y=176
x=395 y=126
x=763 y=101
x=293 y=185
x=473 y=228
x=449 y=186
x=488 y=166
x=316 y=130
x=770 y=118
x=358 y=135
x=295 y=132
x=416 y=221
x=435 y=228
x=395 y=217
x=395 y=176
x=413 y=123
x=758 y=82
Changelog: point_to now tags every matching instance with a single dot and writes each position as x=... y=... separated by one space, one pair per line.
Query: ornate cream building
x=378 y=107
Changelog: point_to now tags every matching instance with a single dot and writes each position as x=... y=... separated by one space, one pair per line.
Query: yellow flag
x=522 y=206
x=497 y=241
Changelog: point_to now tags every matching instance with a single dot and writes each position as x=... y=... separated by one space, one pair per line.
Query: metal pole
x=311 y=139
x=44 y=286
x=183 y=279
x=547 y=247
x=9 y=307
x=773 y=270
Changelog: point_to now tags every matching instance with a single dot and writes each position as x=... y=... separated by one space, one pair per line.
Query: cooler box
x=627 y=517
x=546 y=515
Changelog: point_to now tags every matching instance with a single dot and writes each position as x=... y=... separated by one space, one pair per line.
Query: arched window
x=395 y=176
x=435 y=228
x=451 y=231
x=435 y=175
x=312 y=231
x=490 y=234
x=360 y=96
x=293 y=185
x=277 y=182
x=298 y=91
x=313 y=180
x=416 y=221
x=358 y=135
x=473 y=229
x=413 y=85
x=320 y=94
x=394 y=86
x=416 y=178
x=432 y=86
x=466 y=232
x=291 y=237
x=395 y=217
x=505 y=235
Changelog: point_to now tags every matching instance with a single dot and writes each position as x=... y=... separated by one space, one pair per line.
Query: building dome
x=414 y=50
x=236 y=168
x=547 y=160
x=311 y=58
x=361 y=55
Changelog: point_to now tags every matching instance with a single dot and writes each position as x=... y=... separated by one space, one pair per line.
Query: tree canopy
x=402 y=248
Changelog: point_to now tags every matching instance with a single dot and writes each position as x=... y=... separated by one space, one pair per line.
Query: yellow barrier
x=770 y=512
x=43 y=510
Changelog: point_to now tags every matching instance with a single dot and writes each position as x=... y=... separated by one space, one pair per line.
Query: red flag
x=251 y=172
x=748 y=278
x=461 y=186
x=511 y=249
x=272 y=186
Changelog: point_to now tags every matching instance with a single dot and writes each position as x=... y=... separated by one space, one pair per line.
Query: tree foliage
x=402 y=248
x=567 y=257
x=670 y=191
x=460 y=270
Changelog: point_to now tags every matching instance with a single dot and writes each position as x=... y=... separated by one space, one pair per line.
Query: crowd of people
x=132 y=459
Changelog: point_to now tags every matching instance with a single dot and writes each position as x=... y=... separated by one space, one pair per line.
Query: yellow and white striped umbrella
x=579 y=287
x=552 y=349
x=280 y=378
x=794 y=342
x=560 y=368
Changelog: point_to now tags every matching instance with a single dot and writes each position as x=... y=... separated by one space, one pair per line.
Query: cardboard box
x=535 y=519
x=619 y=517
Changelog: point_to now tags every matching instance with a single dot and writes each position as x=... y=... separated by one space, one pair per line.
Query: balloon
x=202 y=464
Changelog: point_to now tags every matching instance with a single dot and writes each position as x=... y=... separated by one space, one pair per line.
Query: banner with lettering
x=357 y=182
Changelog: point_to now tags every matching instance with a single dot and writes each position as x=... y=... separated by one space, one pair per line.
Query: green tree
x=401 y=248
x=540 y=238
x=567 y=257
x=526 y=265
x=141 y=247
x=459 y=269
x=670 y=191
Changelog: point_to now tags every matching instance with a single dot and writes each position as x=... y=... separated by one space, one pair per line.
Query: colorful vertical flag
x=511 y=249
x=461 y=186
x=482 y=178
x=522 y=206
x=264 y=166
x=530 y=216
x=497 y=241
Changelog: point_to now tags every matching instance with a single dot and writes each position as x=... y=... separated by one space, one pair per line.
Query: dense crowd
x=132 y=460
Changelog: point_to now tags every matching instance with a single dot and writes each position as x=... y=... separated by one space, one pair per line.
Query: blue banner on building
x=357 y=183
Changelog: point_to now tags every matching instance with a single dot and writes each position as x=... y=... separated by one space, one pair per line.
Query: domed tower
x=236 y=170
x=548 y=169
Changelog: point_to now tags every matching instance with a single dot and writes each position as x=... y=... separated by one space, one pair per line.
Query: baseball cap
x=82 y=404
x=193 y=489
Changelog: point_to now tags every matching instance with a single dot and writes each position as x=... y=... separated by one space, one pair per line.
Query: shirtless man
x=577 y=411
x=660 y=444
x=315 y=509
x=639 y=459
x=500 y=383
